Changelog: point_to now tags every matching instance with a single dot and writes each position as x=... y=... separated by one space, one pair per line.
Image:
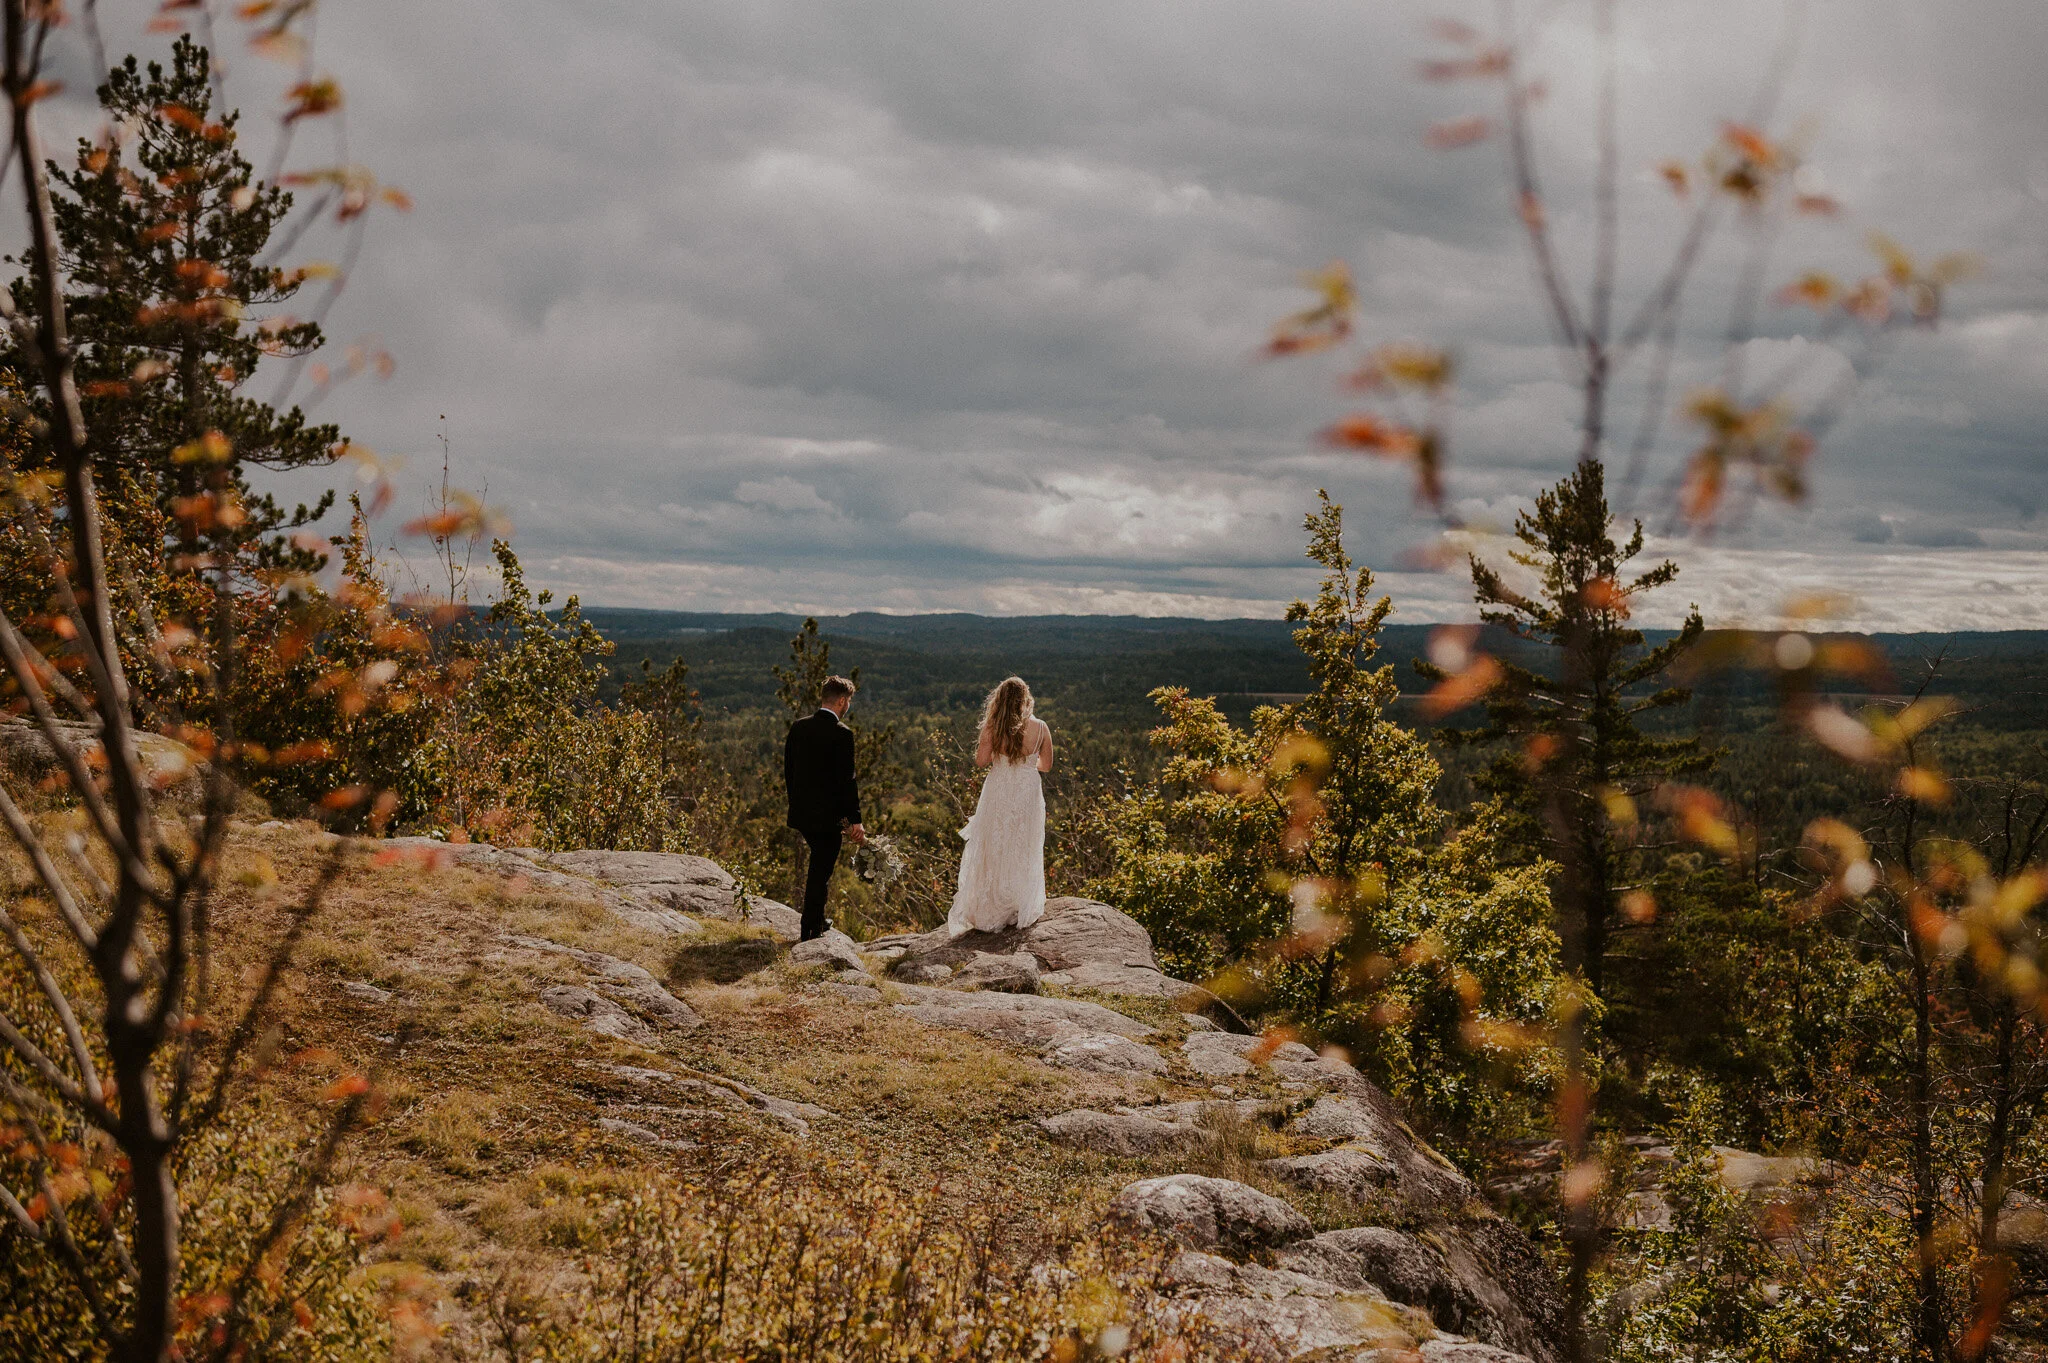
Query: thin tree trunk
x=133 y=1033
x=1997 y=1139
x=1929 y=1331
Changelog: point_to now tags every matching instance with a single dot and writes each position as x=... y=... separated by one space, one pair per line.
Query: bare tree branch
x=46 y=870
x=88 y=1073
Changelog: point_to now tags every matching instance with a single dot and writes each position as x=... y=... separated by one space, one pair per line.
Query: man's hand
x=857 y=833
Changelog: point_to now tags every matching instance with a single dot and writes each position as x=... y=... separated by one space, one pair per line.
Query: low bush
x=308 y=1298
x=829 y=1263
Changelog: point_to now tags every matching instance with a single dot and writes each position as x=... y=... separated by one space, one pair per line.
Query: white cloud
x=783 y=494
x=974 y=292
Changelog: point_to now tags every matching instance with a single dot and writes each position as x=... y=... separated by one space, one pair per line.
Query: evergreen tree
x=1301 y=864
x=667 y=698
x=800 y=685
x=1577 y=760
x=163 y=231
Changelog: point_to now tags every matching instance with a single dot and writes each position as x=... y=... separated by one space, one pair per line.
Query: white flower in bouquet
x=877 y=862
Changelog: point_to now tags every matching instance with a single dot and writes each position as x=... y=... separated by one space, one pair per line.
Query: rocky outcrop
x=1107 y=1054
x=1077 y=944
x=1016 y=973
x=1150 y=1130
x=1343 y=1172
x=1119 y=1133
x=834 y=949
x=1028 y=1021
x=1429 y=1271
x=1438 y=1276
x=1791 y=1179
x=1210 y=1214
x=1366 y=1294
x=1359 y=1117
x=711 y=1093
x=596 y=1012
x=624 y=983
x=1225 y=1055
x=663 y=892
x=694 y=886
x=170 y=766
x=1430 y=1257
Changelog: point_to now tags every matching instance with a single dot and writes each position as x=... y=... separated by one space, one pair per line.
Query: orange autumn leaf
x=1493 y=62
x=1368 y=432
x=348 y=1086
x=1605 y=594
x=180 y=116
x=1816 y=290
x=1324 y=325
x=1458 y=132
x=312 y=98
x=1750 y=144
x=1462 y=688
x=1418 y=366
x=1702 y=818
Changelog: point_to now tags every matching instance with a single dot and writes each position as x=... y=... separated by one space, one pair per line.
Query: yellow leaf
x=1924 y=785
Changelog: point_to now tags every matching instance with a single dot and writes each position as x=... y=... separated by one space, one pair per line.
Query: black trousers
x=824 y=844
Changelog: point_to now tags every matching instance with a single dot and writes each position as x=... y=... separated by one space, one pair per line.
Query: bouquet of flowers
x=877 y=862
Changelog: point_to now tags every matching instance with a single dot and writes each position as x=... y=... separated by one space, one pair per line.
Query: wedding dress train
x=1002 y=872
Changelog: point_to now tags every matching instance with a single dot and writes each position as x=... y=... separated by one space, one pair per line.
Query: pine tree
x=1578 y=761
x=163 y=230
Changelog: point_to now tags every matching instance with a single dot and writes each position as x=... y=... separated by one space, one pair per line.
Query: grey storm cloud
x=930 y=304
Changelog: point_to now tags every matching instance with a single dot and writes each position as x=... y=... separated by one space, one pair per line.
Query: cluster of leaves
x=306 y=1293
x=165 y=233
x=1820 y=1274
x=1303 y=865
x=473 y=725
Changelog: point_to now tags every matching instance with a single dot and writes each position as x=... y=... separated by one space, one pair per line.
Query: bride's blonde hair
x=1009 y=705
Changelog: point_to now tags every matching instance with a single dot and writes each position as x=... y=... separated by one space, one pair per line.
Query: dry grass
x=487 y=1135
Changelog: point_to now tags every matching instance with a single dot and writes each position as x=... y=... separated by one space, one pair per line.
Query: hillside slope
x=545 y=1027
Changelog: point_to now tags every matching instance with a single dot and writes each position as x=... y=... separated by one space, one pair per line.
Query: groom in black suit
x=824 y=796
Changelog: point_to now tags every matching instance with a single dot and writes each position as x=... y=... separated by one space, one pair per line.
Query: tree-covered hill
x=1102 y=667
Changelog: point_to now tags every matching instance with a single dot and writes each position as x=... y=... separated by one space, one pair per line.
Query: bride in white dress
x=1002 y=872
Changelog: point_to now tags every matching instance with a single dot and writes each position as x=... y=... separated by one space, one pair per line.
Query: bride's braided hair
x=1009 y=705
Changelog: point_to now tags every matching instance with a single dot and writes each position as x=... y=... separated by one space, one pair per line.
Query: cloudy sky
x=940 y=304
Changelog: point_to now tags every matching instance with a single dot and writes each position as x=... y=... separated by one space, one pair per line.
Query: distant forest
x=1100 y=668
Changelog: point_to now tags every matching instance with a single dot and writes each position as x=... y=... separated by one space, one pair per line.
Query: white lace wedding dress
x=1002 y=873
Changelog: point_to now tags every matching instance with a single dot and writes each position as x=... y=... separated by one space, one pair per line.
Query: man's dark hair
x=835 y=689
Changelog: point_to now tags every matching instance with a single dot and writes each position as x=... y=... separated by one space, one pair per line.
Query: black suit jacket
x=817 y=768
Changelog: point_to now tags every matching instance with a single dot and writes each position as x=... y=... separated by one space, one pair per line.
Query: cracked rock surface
x=622 y=981
x=1077 y=944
